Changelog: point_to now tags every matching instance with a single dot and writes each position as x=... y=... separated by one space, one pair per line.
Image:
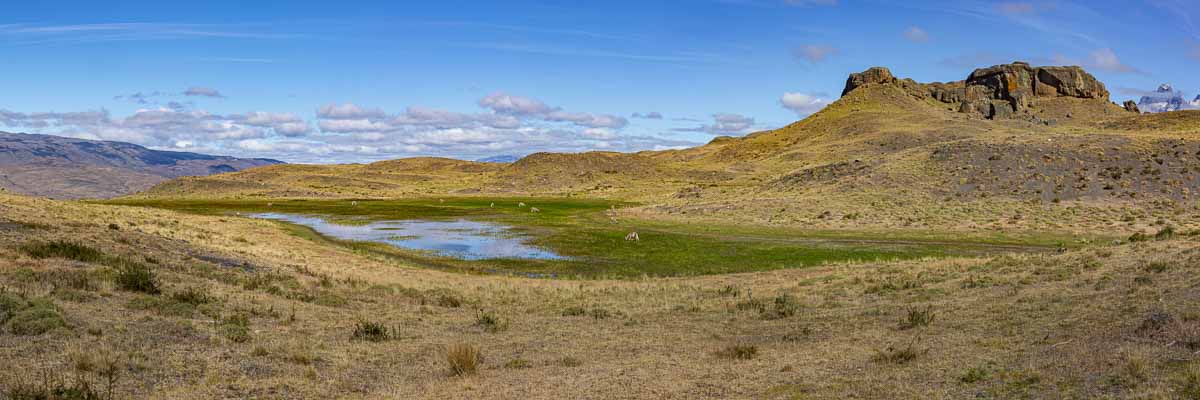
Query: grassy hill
x=809 y=261
x=887 y=154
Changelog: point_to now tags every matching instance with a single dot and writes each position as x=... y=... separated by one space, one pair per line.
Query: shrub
x=36 y=320
x=785 y=305
x=752 y=305
x=917 y=318
x=136 y=277
x=370 y=331
x=53 y=389
x=899 y=355
x=491 y=322
x=235 y=327
x=464 y=359
x=29 y=317
x=1165 y=233
x=449 y=301
x=192 y=295
x=739 y=352
x=63 y=249
x=1157 y=266
x=976 y=374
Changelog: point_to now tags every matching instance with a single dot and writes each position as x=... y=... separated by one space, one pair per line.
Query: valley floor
x=149 y=303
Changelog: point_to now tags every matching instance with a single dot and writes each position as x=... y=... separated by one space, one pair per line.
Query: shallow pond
x=465 y=239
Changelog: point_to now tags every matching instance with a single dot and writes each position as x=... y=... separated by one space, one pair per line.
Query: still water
x=465 y=239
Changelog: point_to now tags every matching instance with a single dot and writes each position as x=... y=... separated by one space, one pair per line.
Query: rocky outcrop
x=1005 y=90
x=872 y=76
x=1132 y=107
x=997 y=92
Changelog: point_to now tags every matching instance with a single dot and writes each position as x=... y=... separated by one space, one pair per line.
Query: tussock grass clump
x=1157 y=266
x=739 y=351
x=53 y=389
x=194 y=295
x=975 y=374
x=916 y=318
x=491 y=322
x=1187 y=382
x=899 y=355
x=463 y=359
x=136 y=277
x=1155 y=322
x=29 y=317
x=889 y=285
x=783 y=306
x=449 y=301
x=235 y=328
x=1133 y=373
x=374 y=332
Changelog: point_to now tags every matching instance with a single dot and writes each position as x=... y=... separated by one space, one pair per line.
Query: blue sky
x=361 y=81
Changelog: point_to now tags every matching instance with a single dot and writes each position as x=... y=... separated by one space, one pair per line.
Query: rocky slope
x=60 y=167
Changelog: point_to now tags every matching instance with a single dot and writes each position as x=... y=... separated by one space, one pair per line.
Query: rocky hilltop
x=60 y=167
x=1003 y=91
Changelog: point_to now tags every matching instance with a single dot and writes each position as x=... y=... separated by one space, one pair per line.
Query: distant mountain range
x=68 y=168
x=500 y=159
x=1166 y=98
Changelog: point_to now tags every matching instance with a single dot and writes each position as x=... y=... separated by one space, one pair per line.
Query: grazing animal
x=521 y=204
x=354 y=203
x=633 y=237
x=493 y=205
x=534 y=210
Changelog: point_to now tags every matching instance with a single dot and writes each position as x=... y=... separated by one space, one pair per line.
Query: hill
x=1012 y=146
x=67 y=168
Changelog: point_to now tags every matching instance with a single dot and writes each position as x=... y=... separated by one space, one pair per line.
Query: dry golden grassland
x=243 y=309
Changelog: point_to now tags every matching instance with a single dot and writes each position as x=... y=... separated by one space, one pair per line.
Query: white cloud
x=649 y=115
x=348 y=111
x=916 y=34
x=202 y=91
x=814 y=53
x=516 y=105
x=724 y=124
x=802 y=104
x=1103 y=59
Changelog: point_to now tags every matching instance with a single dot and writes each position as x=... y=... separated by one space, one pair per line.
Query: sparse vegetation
x=739 y=352
x=463 y=359
x=491 y=322
x=917 y=317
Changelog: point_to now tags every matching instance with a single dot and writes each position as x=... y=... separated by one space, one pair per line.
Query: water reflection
x=465 y=239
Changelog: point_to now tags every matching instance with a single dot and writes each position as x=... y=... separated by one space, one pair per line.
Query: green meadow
x=582 y=230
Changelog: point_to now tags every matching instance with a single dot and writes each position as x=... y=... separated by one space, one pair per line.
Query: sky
x=341 y=82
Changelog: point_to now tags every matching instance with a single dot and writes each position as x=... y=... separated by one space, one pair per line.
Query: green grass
x=596 y=247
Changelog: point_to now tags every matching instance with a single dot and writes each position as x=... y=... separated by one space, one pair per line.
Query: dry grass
x=463 y=359
x=238 y=319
